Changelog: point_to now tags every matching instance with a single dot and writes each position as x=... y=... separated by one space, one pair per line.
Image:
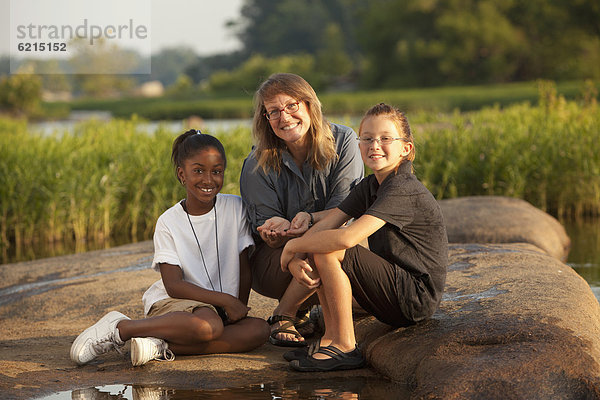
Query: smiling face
x=202 y=175
x=291 y=128
x=382 y=159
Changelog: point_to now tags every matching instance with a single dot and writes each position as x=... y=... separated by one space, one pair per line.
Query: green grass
x=441 y=99
x=108 y=179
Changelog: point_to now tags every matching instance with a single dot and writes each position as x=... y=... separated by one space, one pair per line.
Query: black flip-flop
x=284 y=328
x=303 y=352
x=338 y=360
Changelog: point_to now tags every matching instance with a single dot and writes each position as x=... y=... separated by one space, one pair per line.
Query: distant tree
x=203 y=67
x=561 y=38
x=280 y=27
x=323 y=29
x=246 y=78
x=181 y=87
x=168 y=64
x=103 y=70
x=52 y=73
x=290 y=26
x=479 y=42
x=433 y=42
x=4 y=65
x=20 y=93
x=332 y=61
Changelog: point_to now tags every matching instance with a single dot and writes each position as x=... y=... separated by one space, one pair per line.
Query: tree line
x=349 y=44
x=415 y=43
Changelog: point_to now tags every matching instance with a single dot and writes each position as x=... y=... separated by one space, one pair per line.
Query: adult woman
x=301 y=166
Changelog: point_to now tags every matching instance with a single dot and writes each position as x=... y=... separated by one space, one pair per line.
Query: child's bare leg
x=175 y=327
x=289 y=304
x=327 y=338
x=336 y=294
x=200 y=332
x=241 y=336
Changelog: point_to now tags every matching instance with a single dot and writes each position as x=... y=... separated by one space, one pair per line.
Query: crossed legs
x=200 y=332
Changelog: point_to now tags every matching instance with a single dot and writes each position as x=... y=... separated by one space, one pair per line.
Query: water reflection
x=368 y=388
x=584 y=256
x=208 y=125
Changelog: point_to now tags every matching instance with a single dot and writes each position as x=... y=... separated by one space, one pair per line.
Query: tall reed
x=547 y=154
x=101 y=180
x=107 y=179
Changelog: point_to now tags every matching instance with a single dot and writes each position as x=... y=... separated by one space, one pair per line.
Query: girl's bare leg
x=199 y=332
x=336 y=294
x=241 y=336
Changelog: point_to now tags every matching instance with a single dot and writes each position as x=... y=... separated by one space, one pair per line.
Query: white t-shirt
x=174 y=243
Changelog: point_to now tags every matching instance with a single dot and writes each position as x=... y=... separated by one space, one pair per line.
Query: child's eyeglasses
x=384 y=141
x=289 y=109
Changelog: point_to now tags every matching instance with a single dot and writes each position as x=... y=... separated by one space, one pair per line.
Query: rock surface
x=514 y=323
x=496 y=219
x=45 y=304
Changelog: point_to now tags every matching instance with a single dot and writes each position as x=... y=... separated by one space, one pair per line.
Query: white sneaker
x=98 y=339
x=144 y=349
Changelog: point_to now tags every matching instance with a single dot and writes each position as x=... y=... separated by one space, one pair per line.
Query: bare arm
x=327 y=238
x=178 y=288
x=245 y=277
x=301 y=222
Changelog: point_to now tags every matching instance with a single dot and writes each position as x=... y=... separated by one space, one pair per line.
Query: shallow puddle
x=307 y=389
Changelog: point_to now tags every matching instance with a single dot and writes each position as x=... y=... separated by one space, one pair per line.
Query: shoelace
x=106 y=344
x=167 y=355
x=162 y=352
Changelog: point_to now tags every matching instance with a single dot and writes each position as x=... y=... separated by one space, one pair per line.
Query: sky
x=199 y=24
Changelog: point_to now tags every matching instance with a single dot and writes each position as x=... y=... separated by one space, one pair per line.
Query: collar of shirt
x=288 y=161
x=404 y=168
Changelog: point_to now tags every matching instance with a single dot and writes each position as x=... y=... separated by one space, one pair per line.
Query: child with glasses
x=400 y=278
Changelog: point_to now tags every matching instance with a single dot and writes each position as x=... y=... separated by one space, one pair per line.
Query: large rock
x=495 y=219
x=514 y=323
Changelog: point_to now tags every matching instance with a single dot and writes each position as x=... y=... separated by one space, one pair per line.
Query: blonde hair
x=399 y=119
x=268 y=145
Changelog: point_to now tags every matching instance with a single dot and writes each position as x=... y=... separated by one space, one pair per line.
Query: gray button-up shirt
x=286 y=193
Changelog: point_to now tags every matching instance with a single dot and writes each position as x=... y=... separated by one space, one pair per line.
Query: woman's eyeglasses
x=289 y=109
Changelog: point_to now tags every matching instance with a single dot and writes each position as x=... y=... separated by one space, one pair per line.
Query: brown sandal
x=285 y=328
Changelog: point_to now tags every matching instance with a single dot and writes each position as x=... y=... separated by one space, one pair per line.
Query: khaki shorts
x=166 y=306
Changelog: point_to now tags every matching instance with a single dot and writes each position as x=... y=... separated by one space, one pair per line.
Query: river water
x=371 y=388
x=584 y=256
x=208 y=126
